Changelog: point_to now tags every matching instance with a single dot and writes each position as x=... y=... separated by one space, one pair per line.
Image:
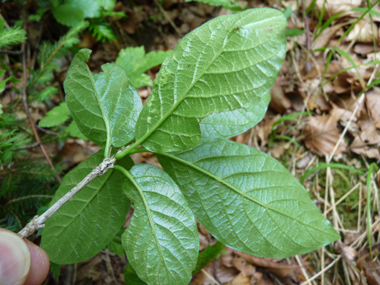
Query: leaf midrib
x=95 y=193
x=108 y=140
x=232 y=187
x=147 y=209
x=158 y=124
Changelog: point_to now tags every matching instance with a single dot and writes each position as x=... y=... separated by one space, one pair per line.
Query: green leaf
x=12 y=36
x=231 y=123
x=248 y=200
x=221 y=66
x=161 y=241
x=74 y=11
x=85 y=224
x=55 y=116
x=46 y=93
x=107 y=4
x=73 y=131
x=67 y=15
x=104 y=106
x=136 y=63
x=294 y=32
x=208 y=255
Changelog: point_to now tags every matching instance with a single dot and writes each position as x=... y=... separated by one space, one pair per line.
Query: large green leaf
x=86 y=223
x=221 y=66
x=231 y=123
x=161 y=241
x=248 y=200
x=136 y=63
x=104 y=106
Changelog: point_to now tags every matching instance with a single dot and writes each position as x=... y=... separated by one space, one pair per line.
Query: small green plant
x=215 y=84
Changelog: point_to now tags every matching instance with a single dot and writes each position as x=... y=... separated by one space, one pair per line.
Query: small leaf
x=248 y=200
x=86 y=223
x=46 y=93
x=74 y=11
x=208 y=255
x=221 y=66
x=104 y=106
x=55 y=116
x=294 y=32
x=231 y=123
x=136 y=63
x=161 y=241
x=73 y=131
x=107 y=4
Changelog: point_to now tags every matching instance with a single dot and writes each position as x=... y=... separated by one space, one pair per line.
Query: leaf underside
x=231 y=123
x=85 y=224
x=228 y=63
x=248 y=200
x=105 y=105
x=161 y=241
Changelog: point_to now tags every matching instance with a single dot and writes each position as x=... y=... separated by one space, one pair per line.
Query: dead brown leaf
x=373 y=105
x=223 y=273
x=371 y=268
x=240 y=279
x=367 y=143
x=324 y=38
x=363 y=32
x=279 y=102
x=280 y=269
x=333 y=7
x=322 y=134
x=264 y=128
x=242 y=265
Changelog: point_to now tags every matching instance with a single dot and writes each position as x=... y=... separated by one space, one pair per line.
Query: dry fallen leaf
x=322 y=134
x=371 y=268
x=280 y=269
x=279 y=102
x=373 y=105
x=333 y=7
x=363 y=32
x=240 y=279
x=367 y=143
x=242 y=265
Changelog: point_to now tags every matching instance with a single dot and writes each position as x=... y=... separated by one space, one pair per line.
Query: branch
x=39 y=222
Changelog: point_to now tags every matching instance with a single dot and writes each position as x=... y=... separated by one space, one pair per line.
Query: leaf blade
x=193 y=81
x=93 y=216
x=252 y=212
x=231 y=123
x=162 y=246
x=104 y=106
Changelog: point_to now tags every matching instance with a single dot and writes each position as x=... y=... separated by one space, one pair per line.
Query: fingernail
x=14 y=259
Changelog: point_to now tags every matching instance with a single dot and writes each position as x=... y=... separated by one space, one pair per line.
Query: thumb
x=14 y=259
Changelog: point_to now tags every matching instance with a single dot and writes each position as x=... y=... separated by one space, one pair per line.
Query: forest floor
x=323 y=124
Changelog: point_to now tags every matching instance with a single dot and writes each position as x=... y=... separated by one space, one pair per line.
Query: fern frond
x=102 y=31
x=53 y=51
x=12 y=36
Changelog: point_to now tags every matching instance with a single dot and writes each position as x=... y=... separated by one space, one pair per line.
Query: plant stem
x=372 y=167
x=38 y=222
x=138 y=150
